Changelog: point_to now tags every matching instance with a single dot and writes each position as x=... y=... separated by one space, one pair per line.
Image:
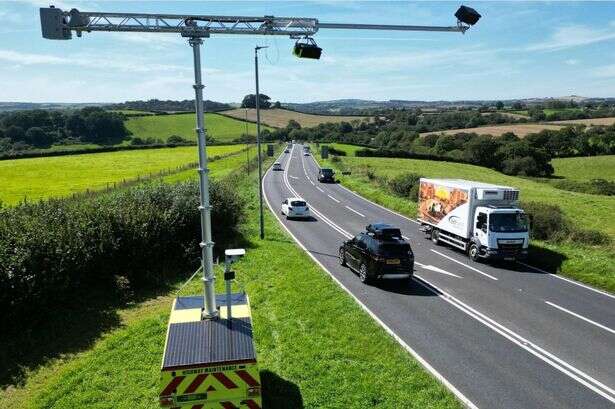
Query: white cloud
x=572 y=36
x=571 y=61
x=99 y=62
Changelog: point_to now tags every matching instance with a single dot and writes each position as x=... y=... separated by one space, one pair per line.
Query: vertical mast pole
x=207 y=258
x=258 y=143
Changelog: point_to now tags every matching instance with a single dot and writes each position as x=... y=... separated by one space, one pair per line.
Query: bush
x=52 y=250
x=336 y=152
x=547 y=222
x=404 y=185
x=592 y=187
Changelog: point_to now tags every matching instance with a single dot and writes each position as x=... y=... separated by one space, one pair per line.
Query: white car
x=277 y=166
x=295 y=207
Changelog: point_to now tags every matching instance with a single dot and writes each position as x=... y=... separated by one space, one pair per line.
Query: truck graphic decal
x=436 y=201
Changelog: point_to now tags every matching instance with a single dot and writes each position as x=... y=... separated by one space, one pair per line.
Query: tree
x=249 y=101
x=35 y=136
x=499 y=105
x=15 y=133
x=292 y=124
x=277 y=105
x=75 y=125
x=105 y=128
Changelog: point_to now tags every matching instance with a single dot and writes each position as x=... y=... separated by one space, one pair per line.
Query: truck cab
x=499 y=233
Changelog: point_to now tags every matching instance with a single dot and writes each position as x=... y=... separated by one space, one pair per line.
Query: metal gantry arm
x=58 y=24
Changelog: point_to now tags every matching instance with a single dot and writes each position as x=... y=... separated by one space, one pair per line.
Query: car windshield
x=327 y=171
x=298 y=203
x=393 y=249
x=508 y=222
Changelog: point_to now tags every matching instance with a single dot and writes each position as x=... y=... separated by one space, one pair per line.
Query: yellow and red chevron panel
x=229 y=386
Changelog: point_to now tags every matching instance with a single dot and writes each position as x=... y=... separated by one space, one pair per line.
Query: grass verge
x=316 y=347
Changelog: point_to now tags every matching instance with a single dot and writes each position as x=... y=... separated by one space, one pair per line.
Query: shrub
x=337 y=152
x=547 y=222
x=52 y=250
x=593 y=187
x=403 y=185
x=335 y=159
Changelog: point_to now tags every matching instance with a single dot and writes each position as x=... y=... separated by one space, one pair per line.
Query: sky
x=517 y=50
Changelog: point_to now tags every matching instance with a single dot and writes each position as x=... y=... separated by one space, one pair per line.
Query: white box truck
x=483 y=220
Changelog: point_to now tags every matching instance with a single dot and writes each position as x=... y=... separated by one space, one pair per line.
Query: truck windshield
x=508 y=222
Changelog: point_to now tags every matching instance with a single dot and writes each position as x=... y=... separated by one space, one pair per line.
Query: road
x=513 y=337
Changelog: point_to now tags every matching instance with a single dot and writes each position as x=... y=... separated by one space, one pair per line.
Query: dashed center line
x=574 y=314
x=353 y=210
x=330 y=197
x=294 y=177
x=320 y=189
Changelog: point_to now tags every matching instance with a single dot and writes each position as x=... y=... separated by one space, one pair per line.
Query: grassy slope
x=316 y=347
x=37 y=178
x=588 y=264
x=585 y=168
x=221 y=128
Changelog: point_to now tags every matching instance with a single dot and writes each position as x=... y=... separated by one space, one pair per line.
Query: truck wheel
x=342 y=258
x=363 y=274
x=435 y=236
x=473 y=252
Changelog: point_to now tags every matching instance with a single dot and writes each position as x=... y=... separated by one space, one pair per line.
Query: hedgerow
x=50 y=251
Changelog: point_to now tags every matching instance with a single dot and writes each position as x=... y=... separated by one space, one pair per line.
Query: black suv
x=326 y=175
x=379 y=252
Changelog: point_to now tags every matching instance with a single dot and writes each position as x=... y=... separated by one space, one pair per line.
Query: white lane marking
x=465 y=265
x=320 y=189
x=331 y=197
x=353 y=210
x=569 y=280
x=313 y=184
x=532 y=348
x=612 y=331
x=294 y=177
x=436 y=269
x=467 y=402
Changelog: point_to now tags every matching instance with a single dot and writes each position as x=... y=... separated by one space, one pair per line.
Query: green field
x=585 y=168
x=221 y=128
x=594 y=265
x=38 y=178
x=316 y=347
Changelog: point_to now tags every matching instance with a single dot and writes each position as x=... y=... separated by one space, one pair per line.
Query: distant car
x=295 y=207
x=326 y=175
x=378 y=253
x=277 y=166
x=306 y=153
x=286 y=151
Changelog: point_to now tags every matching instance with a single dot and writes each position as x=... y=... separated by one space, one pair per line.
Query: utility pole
x=258 y=144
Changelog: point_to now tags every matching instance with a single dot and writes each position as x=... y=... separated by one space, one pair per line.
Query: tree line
x=38 y=128
x=156 y=105
x=397 y=134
